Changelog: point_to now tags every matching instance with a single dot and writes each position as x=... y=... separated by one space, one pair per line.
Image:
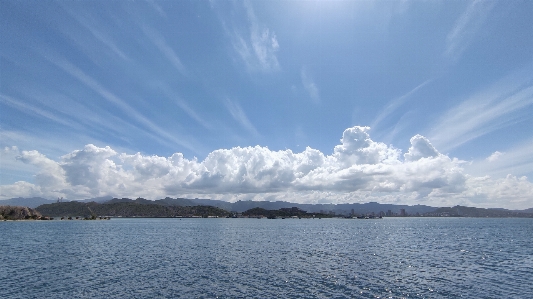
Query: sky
x=402 y=102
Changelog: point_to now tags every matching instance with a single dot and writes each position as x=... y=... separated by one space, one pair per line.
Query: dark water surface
x=261 y=258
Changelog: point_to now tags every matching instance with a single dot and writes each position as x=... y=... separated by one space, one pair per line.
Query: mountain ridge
x=241 y=206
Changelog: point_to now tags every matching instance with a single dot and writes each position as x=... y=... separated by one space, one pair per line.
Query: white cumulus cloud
x=420 y=148
x=494 y=156
x=359 y=170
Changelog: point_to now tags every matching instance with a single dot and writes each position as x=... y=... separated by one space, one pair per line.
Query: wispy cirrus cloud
x=157 y=8
x=396 y=103
x=264 y=43
x=240 y=116
x=173 y=96
x=120 y=103
x=97 y=31
x=32 y=109
x=75 y=118
x=162 y=45
x=493 y=108
x=310 y=86
x=255 y=44
x=466 y=27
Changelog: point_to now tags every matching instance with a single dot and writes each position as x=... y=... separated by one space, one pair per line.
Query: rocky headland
x=20 y=213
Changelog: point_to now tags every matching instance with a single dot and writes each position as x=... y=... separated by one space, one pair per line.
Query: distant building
x=403 y=213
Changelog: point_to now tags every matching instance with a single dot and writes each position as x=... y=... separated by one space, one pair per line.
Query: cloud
x=516 y=160
x=106 y=94
x=359 y=170
x=264 y=42
x=493 y=108
x=494 y=156
x=51 y=177
x=171 y=94
x=161 y=44
x=310 y=86
x=396 y=103
x=22 y=189
x=255 y=43
x=508 y=192
x=240 y=116
x=420 y=148
x=32 y=110
x=51 y=144
x=466 y=27
x=88 y=166
x=157 y=8
x=358 y=148
x=91 y=25
x=11 y=169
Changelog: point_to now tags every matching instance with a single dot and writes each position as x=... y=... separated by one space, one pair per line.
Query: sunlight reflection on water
x=260 y=258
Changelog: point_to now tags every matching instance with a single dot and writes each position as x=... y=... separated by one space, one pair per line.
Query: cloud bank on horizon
x=247 y=101
x=359 y=170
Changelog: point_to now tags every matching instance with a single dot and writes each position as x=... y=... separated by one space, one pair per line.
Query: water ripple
x=259 y=258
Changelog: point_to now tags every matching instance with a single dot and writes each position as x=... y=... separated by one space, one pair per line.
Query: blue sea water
x=262 y=258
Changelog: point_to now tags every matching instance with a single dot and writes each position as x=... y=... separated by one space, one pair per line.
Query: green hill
x=127 y=209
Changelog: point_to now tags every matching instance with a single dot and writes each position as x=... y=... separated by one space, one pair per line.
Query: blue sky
x=307 y=101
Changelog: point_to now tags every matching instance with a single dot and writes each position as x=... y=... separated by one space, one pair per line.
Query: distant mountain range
x=336 y=209
x=34 y=202
x=241 y=206
x=340 y=209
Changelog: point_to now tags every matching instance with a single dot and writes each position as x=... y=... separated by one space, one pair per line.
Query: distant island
x=182 y=207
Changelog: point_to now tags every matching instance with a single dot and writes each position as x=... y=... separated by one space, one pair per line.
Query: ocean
x=268 y=258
